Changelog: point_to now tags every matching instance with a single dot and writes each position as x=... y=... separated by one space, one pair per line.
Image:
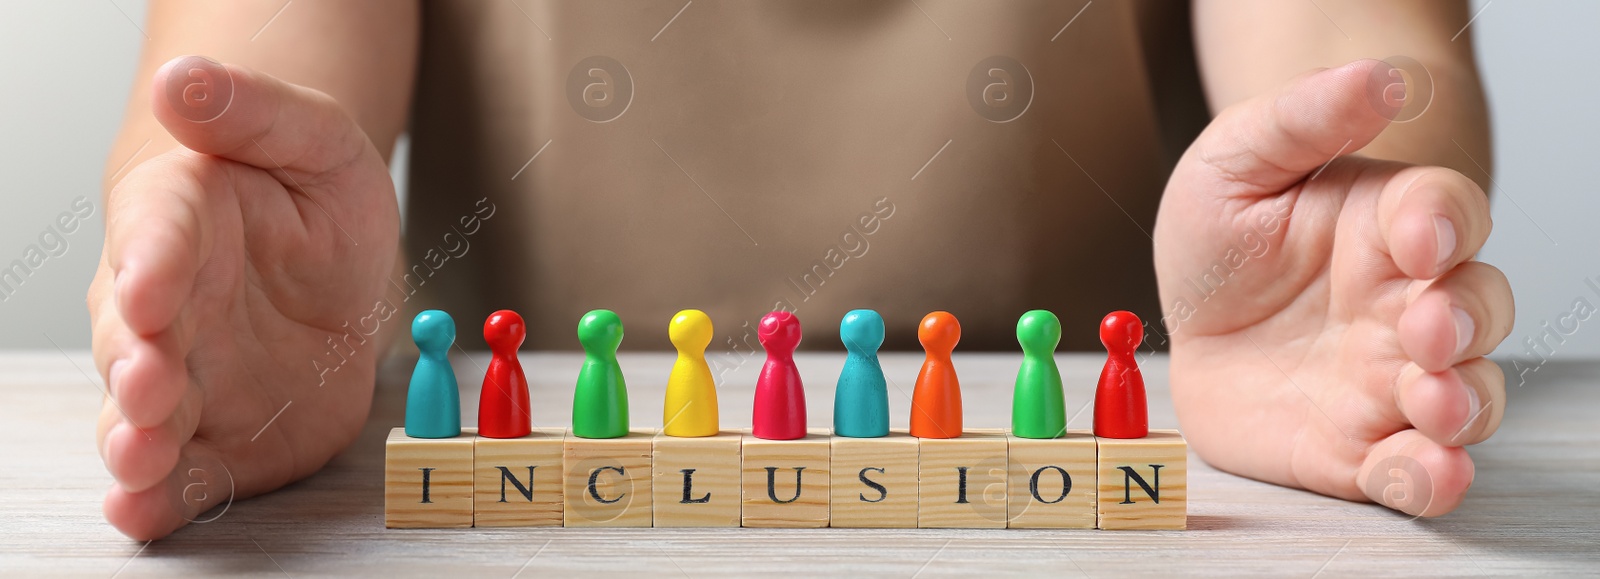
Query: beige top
x=819 y=157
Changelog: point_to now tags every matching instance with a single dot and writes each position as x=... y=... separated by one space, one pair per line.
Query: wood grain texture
x=961 y=482
x=1160 y=460
x=1052 y=482
x=893 y=463
x=1519 y=519
x=606 y=481
x=427 y=482
x=786 y=481
x=535 y=462
x=711 y=496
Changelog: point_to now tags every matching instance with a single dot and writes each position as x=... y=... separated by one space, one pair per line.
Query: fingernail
x=1464 y=329
x=1445 y=233
x=1474 y=405
x=114 y=377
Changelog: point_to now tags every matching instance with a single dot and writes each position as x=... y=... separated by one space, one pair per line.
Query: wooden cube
x=1144 y=482
x=427 y=482
x=874 y=481
x=962 y=481
x=607 y=481
x=697 y=481
x=517 y=481
x=1052 y=482
x=785 y=482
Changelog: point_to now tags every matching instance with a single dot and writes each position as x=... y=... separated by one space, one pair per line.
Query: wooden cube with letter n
x=874 y=481
x=962 y=481
x=786 y=481
x=606 y=481
x=1052 y=482
x=517 y=481
x=1144 y=482
x=427 y=482
x=697 y=481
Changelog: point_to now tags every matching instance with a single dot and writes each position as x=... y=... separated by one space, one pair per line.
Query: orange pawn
x=936 y=401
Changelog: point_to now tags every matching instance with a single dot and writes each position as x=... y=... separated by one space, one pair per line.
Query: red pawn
x=503 y=409
x=1119 y=404
x=780 y=411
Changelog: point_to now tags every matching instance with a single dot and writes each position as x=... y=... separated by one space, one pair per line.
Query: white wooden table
x=1533 y=509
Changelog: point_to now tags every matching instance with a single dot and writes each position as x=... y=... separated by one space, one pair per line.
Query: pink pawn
x=780 y=411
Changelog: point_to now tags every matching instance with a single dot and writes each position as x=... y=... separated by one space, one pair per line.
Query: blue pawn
x=433 y=402
x=861 y=401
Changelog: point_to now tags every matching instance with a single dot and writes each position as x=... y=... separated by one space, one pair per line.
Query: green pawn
x=600 y=403
x=1037 y=407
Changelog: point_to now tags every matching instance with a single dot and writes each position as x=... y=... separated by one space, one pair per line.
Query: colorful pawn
x=433 y=401
x=1038 y=409
x=1119 y=402
x=600 y=402
x=780 y=405
x=861 y=400
x=503 y=408
x=936 y=400
x=690 y=409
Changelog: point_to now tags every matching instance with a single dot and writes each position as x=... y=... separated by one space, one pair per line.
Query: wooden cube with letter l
x=1144 y=482
x=697 y=480
x=427 y=482
x=962 y=481
x=1052 y=482
x=874 y=481
x=606 y=481
x=517 y=481
x=785 y=482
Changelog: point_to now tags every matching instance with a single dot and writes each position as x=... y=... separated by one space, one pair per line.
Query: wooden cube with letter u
x=1144 y=482
x=786 y=481
x=427 y=482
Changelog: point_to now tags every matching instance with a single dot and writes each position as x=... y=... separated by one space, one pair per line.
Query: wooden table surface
x=1534 y=507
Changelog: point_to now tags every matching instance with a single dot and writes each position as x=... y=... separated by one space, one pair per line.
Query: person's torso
x=739 y=157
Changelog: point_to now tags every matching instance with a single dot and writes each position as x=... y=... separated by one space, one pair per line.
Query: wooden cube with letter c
x=1052 y=482
x=427 y=482
x=785 y=482
x=517 y=481
x=874 y=481
x=1144 y=482
x=697 y=480
x=606 y=481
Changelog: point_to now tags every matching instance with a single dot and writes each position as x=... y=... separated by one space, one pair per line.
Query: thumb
x=250 y=117
x=1263 y=145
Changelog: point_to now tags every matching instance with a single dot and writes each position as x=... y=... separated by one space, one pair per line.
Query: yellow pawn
x=691 y=405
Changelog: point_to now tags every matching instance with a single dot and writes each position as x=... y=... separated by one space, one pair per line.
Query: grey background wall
x=68 y=67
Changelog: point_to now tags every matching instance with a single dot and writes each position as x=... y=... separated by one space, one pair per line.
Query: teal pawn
x=600 y=402
x=1037 y=407
x=861 y=400
x=433 y=402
